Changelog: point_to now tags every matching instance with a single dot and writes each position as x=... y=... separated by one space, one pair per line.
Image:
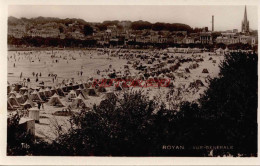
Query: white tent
x=55 y=101
x=226 y=50
x=12 y=93
x=47 y=92
x=53 y=90
x=91 y=91
x=23 y=89
x=78 y=102
x=20 y=98
x=9 y=106
x=13 y=101
x=72 y=94
x=219 y=51
x=35 y=96
x=42 y=94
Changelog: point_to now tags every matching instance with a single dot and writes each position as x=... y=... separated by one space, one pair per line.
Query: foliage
x=17 y=138
x=88 y=30
x=50 y=42
x=230 y=104
x=132 y=125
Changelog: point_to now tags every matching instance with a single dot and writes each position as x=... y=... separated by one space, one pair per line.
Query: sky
x=226 y=17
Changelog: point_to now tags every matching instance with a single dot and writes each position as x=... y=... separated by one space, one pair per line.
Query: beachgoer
x=39 y=105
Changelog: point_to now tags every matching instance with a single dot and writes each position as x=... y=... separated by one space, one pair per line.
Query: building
x=77 y=35
x=205 y=38
x=188 y=40
x=162 y=39
x=154 y=38
x=235 y=30
x=245 y=23
x=47 y=32
x=227 y=40
x=17 y=31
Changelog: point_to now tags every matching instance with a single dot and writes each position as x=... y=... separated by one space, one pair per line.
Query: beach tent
x=42 y=94
x=9 y=106
x=72 y=94
x=196 y=84
x=55 y=101
x=226 y=50
x=9 y=89
x=23 y=89
x=65 y=88
x=13 y=101
x=12 y=93
x=35 y=96
x=53 y=90
x=78 y=102
x=60 y=91
x=161 y=76
x=20 y=98
x=47 y=92
x=91 y=92
x=118 y=87
x=187 y=70
x=79 y=90
x=109 y=94
x=219 y=51
x=205 y=71
x=25 y=95
x=101 y=89
x=141 y=76
x=75 y=86
x=17 y=87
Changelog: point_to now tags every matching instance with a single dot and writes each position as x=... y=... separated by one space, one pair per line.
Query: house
x=244 y=39
x=47 y=32
x=77 y=35
x=162 y=39
x=227 y=40
x=154 y=38
x=205 y=38
x=17 y=31
x=188 y=40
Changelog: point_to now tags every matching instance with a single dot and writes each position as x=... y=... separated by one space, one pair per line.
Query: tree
x=61 y=29
x=230 y=105
x=87 y=30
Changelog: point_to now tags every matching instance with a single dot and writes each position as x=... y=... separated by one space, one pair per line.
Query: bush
x=133 y=125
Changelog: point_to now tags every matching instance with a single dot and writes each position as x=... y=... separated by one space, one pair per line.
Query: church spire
x=245 y=16
x=245 y=23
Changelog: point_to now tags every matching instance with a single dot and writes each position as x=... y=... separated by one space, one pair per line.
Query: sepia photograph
x=132 y=80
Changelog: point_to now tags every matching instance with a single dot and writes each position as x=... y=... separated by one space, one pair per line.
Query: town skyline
x=166 y=14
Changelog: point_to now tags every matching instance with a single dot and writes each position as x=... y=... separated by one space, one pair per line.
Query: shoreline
x=45 y=48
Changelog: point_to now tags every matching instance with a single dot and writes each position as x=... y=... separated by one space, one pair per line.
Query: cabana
x=55 y=101
x=13 y=101
x=78 y=102
x=35 y=96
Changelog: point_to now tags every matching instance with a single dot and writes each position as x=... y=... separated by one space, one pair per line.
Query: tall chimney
x=212 y=23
